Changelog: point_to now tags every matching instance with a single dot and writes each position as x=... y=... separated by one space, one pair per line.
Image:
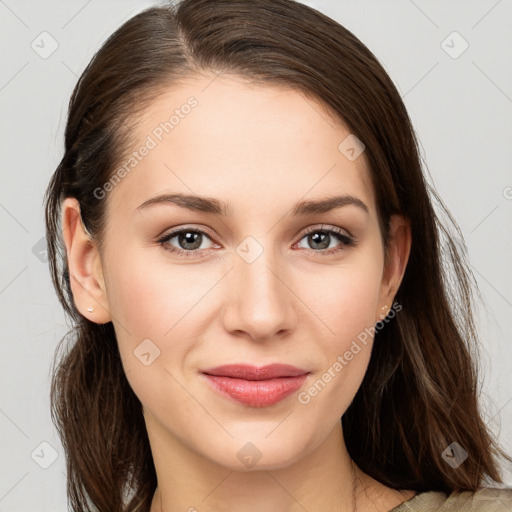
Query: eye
x=189 y=242
x=320 y=240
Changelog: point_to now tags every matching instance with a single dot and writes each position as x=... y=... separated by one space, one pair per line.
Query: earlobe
x=398 y=256
x=84 y=263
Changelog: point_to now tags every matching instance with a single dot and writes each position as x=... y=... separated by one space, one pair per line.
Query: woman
x=249 y=253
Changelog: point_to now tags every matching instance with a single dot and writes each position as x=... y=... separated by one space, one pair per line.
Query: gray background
x=460 y=103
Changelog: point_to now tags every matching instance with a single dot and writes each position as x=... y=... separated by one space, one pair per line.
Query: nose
x=260 y=304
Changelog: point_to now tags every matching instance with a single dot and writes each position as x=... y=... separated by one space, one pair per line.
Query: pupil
x=190 y=238
x=319 y=239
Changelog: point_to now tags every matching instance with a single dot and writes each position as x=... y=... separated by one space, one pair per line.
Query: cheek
x=150 y=298
x=345 y=300
x=157 y=315
x=143 y=308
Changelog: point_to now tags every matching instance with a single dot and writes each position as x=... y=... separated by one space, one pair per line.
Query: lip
x=250 y=372
x=253 y=386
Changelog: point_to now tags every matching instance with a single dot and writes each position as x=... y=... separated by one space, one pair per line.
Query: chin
x=259 y=454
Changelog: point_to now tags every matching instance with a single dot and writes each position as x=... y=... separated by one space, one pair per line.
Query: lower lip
x=256 y=393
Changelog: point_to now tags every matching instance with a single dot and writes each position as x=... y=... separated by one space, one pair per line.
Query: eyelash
x=346 y=241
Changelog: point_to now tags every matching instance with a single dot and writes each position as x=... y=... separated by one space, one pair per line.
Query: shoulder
x=484 y=500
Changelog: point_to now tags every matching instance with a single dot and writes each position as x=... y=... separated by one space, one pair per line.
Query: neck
x=324 y=479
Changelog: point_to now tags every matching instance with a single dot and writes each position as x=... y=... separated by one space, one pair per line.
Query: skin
x=259 y=148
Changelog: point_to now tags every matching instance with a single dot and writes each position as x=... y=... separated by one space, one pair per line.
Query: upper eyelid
x=177 y=231
x=327 y=227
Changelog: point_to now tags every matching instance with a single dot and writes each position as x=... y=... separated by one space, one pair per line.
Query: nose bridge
x=261 y=304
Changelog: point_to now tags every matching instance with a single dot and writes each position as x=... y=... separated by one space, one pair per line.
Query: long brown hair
x=420 y=392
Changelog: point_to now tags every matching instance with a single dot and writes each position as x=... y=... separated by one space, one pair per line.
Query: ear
x=396 y=262
x=84 y=264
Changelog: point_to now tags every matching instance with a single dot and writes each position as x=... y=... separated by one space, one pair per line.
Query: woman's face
x=251 y=285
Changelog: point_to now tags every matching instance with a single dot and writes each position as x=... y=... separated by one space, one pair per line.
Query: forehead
x=223 y=136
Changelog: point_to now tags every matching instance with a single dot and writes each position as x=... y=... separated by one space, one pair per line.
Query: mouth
x=253 y=386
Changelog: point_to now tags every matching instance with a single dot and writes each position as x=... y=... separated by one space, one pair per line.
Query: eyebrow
x=217 y=207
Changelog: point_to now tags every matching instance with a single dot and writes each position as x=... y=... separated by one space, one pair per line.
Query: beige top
x=484 y=500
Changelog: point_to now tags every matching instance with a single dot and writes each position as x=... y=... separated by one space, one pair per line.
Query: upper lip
x=250 y=372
